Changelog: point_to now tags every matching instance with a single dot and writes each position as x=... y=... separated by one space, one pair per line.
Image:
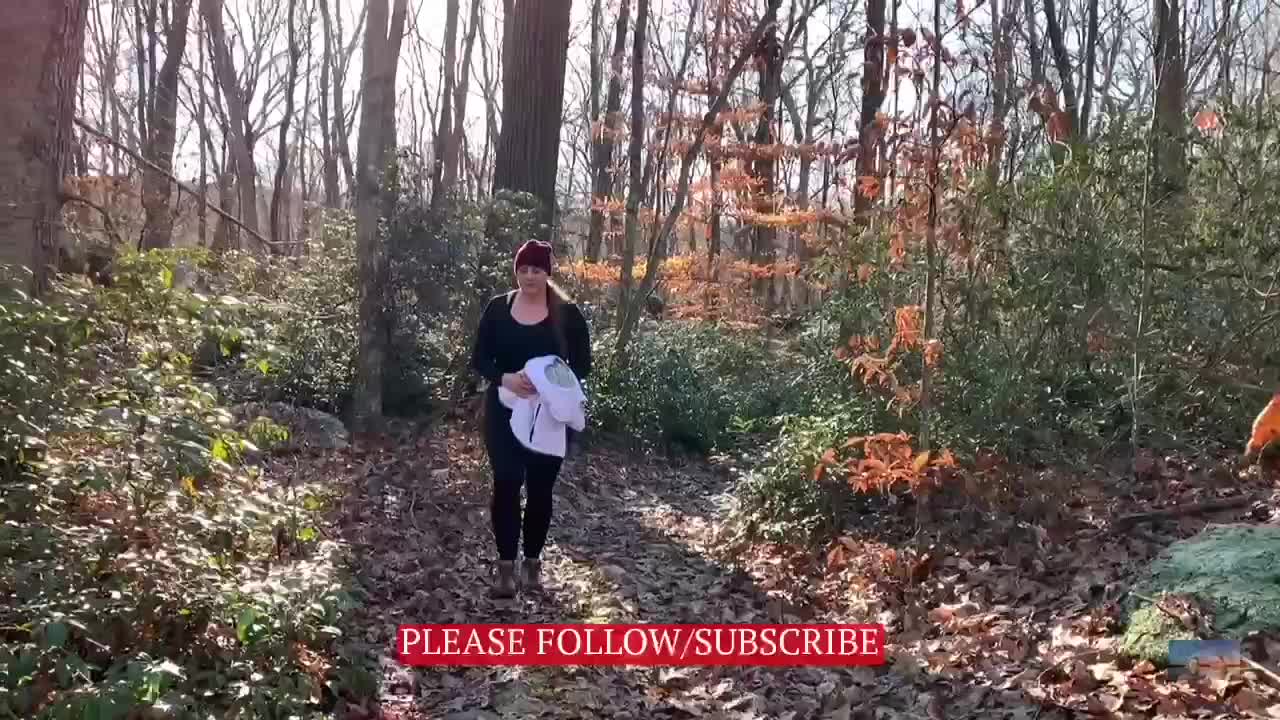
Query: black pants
x=515 y=466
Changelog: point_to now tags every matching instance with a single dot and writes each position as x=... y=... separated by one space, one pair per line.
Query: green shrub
x=779 y=499
x=694 y=385
x=140 y=552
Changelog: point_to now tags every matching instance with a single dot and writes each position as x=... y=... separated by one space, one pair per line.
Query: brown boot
x=532 y=571
x=505 y=587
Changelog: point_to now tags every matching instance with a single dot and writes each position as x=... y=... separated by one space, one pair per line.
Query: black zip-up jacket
x=503 y=345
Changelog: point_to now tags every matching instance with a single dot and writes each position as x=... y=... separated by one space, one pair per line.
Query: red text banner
x=641 y=644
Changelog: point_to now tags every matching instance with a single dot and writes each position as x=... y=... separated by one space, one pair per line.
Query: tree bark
x=444 y=133
x=237 y=114
x=453 y=148
x=157 y=229
x=42 y=47
x=375 y=152
x=332 y=197
x=635 y=187
x=873 y=94
x=281 y=190
x=1170 y=152
x=535 y=48
x=603 y=147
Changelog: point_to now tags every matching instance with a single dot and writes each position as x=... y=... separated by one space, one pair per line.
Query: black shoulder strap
x=511 y=298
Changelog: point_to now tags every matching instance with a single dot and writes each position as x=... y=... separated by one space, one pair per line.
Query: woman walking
x=535 y=320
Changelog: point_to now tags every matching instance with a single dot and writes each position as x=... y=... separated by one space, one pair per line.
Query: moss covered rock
x=1233 y=570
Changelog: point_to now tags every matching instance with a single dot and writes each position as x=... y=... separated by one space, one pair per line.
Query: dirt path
x=630 y=543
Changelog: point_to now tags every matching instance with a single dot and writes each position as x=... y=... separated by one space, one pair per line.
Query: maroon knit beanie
x=535 y=253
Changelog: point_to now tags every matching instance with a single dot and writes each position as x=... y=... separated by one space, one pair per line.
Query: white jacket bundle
x=541 y=421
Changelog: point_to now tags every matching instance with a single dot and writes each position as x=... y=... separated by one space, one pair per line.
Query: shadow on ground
x=632 y=541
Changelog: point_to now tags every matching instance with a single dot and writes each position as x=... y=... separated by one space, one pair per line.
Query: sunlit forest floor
x=1011 y=622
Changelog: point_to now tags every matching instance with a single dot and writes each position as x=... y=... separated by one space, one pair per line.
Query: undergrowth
x=148 y=556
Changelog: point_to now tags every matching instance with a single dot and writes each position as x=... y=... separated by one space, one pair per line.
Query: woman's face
x=531 y=278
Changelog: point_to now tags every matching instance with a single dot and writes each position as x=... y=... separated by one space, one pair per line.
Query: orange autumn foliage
x=1266 y=428
x=885 y=460
x=692 y=286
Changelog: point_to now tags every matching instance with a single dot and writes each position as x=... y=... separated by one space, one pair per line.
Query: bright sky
x=419 y=70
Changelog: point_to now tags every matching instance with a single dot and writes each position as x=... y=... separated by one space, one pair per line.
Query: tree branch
x=185 y=187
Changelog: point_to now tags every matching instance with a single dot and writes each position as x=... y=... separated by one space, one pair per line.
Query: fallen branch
x=183 y=186
x=1125 y=521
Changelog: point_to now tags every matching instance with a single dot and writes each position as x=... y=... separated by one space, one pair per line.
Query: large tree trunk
x=374 y=153
x=42 y=48
x=157 y=230
x=873 y=94
x=1170 y=153
x=453 y=146
x=445 y=130
x=635 y=188
x=330 y=158
x=280 y=201
x=764 y=245
x=602 y=148
x=716 y=161
x=535 y=48
x=237 y=114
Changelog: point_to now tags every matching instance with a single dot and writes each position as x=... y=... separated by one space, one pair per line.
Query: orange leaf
x=869 y=186
x=1207 y=120
x=1266 y=427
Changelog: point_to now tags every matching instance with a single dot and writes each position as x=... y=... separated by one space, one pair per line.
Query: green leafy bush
x=693 y=385
x=142 y=555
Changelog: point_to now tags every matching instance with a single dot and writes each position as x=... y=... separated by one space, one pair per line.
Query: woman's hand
x=519 y=384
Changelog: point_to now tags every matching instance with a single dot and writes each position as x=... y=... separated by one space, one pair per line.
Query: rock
x=1233 y=571
x=308 y=428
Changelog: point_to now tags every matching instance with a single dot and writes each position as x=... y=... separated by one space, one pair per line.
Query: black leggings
x=513 y=466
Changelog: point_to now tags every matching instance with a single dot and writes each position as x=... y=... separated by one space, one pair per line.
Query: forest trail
x=631 y=541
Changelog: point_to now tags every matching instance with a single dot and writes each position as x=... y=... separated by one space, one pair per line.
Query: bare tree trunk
x=140 y=49
x=445 y=131
x=1170 y=153
x=769 y=54
x=1001 y=82
x=716 y=161
x=332 y=197
x=280 y=201
x=453 y=147
x=157 y=230
x=1062 y=61
x=602 y=148
x=42 y=47
x=931 y=235
x=873 y=94
x=237 y=114
x=1090 y=63
x=535 y=49
x=375 y=153
x=203 y=123
x=635 y=188
x=491 y=111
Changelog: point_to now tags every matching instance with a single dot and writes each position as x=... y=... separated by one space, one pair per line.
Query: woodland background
x=973 y=250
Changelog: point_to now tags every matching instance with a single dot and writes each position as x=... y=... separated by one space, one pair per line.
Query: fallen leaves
x=983 y=632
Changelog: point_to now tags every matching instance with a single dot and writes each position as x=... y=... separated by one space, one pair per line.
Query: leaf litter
x=1019 y=620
